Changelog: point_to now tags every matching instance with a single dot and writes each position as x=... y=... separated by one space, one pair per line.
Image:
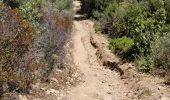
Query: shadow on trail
x=79 y=18
x=80 y=15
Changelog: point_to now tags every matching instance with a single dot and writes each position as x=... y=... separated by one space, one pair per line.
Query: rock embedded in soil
x=22 y=97
x=52 y=92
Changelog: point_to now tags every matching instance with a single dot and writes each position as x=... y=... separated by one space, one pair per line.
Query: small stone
x=61 y=95
x=59 y=71
x=55 y=56
x=22 y=97
x=164 y=98
x=75 y=75
x=30 y=91
x=160 y=88
x=43 y=89
x=68 y=83
x=68 y=92
x=52 y=91
x=126 y=83
x=71 y=80
x=36 y=86
x=54 y=80
x=109 y=92
x=37 y=98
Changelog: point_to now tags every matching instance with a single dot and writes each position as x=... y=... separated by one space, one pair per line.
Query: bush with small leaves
x=121 y=45
x=143 y=21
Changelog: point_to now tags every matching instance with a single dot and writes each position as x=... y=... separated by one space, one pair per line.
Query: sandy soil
x=98 y=83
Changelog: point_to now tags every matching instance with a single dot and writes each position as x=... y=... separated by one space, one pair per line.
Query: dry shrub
x=15 y=39
x=26 y=57
x=52 y=40
x=63 y=23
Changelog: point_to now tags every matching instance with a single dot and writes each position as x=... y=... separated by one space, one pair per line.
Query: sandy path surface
x=98 y=83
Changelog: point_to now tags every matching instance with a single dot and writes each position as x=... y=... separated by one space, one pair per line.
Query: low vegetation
x=139 y=29
x=31 y=33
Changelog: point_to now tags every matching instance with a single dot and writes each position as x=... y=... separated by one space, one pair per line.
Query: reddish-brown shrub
x=63 y=23
x=26 y=57
x=15 y=38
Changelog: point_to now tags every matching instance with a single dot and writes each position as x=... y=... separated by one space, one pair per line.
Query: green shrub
x=161 y=52
x=143 y=21
x=121 y=45
x=63 y=4
x=88 y=6
x=31 y=14
x=95 y=7
x=145 y=64
x=167 y=7
x=156 y=4
x=12 y=3
x=159 y=57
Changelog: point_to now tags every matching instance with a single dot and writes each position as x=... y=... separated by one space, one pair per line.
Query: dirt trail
x=98 y=83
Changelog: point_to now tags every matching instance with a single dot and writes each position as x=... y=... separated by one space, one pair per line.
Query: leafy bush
x=121 y=45
x=12 y=3
x=31 y=14
x=145 y=64
x=143 y=21
x=158 y=58
x=63 y=4
x=167 y=7
x=88 y=6
x=161 y=52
